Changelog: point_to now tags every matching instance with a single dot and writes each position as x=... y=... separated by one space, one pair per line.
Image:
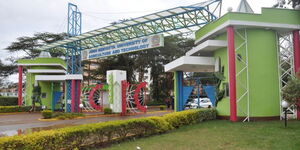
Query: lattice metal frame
x=68 y=96
x=85 y=92
x=285 y=53
x=244 y=86
x=73 y=56
x=73 y=53
x=172 y=21
x=130 y=101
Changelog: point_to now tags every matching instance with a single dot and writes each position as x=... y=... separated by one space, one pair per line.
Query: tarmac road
x=23 y=123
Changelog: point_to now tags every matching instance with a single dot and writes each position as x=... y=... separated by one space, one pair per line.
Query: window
x=44 y=95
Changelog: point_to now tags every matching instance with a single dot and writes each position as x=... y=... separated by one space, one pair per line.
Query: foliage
x=162 y=82
x=36 y=95
x=177 y=120
x=284 y=3
x=6 y=70
x=140 y=62
x=30 y=44
x=162 y=107
x=8 y=101
x=107 y=110
x=47 y=114
x=64 y=116
x=155 y=103
x=105 y=132
x=9 y=109
x=291 y=92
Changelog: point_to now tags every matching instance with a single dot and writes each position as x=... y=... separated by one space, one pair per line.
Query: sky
x=26 y=17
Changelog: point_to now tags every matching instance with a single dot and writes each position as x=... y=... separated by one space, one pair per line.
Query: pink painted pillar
x=73 y=95
x=124 y=86
x=20 y=68
x=79 y=94
x=232 y=73
x=296 y=44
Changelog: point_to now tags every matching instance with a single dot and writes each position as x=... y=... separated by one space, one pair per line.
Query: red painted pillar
x=296 y=44
x=124 y=86
x=20 y=68
x=79 y=94
x=73 y=95
x=232 y=73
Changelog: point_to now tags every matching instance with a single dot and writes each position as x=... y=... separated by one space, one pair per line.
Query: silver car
x=204 y=103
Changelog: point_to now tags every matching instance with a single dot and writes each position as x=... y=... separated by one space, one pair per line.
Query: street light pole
x=285 y=106
x=285 y=117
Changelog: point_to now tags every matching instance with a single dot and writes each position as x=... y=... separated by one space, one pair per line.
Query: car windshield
x=201 y=100
x=204 y=101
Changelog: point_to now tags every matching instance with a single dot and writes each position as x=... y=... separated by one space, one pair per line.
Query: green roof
x=43 y=61
x=268 y=15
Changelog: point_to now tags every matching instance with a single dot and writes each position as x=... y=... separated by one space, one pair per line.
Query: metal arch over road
x=172 y=21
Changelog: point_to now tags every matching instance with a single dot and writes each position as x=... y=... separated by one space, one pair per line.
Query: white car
x=204 y=103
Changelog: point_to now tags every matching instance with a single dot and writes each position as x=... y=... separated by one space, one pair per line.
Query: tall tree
x=162 y=83
x=5 y=71
x=30 y=44
x=285 y=3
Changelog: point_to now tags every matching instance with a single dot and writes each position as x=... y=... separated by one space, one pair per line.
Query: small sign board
x=133 y=45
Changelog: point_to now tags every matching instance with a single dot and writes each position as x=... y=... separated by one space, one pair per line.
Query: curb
x=101 y=115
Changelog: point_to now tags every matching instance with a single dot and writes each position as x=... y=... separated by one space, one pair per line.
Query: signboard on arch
x=134 y=45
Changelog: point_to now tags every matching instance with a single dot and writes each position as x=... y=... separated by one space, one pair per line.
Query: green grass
x=223 y=135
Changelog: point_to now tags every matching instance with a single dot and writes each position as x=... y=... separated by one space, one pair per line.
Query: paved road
x=12 y=124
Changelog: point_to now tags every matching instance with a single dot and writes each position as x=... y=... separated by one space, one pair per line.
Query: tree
x=291 y=92
x=284 y=3
x=29 y=45
x=5 y=71
x=162 y=82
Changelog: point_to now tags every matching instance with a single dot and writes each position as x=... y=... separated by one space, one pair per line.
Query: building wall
x=28 y=88
x=264 y=79
x=46 y=87
x=263 y=73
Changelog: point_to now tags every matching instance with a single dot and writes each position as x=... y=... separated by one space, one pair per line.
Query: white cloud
x=26 y=17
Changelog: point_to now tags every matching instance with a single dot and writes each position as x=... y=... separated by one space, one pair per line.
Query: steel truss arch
x=172 y=21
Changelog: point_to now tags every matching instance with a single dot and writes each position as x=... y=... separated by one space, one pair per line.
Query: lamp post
x=285 y=105
x=81 y=106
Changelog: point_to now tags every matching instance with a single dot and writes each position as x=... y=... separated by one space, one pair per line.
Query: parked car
x=204 y=103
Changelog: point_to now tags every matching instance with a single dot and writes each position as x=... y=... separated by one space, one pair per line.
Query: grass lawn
x=222 y=134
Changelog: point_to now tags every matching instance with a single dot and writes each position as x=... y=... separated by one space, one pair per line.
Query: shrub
x=192 y=116
x=155 y=103
x=47 y=114
x=63 y=116
x=291 y=92
x=8 y=101
x=107 y=111
x=97 y=133
x=8 y=109
x=162 y=107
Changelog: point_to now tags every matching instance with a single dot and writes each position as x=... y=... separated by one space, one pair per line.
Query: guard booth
x=256 y=54
x=49 y=74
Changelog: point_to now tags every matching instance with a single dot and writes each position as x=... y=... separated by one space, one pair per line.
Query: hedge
x=9 y=109
x=47 y=114
x=8 y=101
x=106 y=132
